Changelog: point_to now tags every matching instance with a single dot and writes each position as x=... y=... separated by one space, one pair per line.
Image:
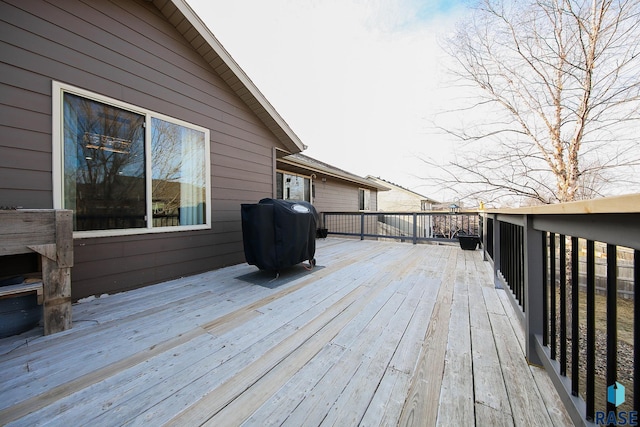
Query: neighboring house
x=330 y=189
x=400 y=199
x=131 y=113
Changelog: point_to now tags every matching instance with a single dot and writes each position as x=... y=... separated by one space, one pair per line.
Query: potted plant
x=468 y=242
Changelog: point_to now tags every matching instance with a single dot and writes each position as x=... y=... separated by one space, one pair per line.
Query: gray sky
x=359 y=81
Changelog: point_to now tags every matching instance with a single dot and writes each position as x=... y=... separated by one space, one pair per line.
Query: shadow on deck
x=377 y=334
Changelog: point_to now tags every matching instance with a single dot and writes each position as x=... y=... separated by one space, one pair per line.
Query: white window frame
x=58 y=91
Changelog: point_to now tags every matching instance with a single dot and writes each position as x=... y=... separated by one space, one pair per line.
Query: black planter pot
x=469 y=242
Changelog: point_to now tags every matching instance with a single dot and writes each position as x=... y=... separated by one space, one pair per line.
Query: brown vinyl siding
x=128 y=51
x=373 y=202
x=338 y=196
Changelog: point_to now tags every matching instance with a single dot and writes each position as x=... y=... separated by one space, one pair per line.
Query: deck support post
x=533 y=309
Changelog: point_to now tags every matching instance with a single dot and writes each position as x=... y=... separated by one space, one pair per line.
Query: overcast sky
x=359 y=81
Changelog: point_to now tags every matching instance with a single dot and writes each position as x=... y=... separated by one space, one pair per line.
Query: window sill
x=136 y=231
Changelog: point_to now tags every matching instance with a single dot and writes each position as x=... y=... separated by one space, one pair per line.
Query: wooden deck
x=377 y=334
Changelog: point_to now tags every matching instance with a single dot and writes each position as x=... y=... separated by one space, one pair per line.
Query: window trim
x=58 y=90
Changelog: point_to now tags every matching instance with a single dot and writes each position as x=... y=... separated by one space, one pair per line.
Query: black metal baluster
x=510 y=257
x=575 y=317
x=503 y=249
x=636 y=332
x=514 y=262
x=545 y=289
x=509 y=251
x=521 y=264
x=517 y=265
x=504 y=253
x=552 y=293
x=591 y=331
x=612 y=319
x=563 y=305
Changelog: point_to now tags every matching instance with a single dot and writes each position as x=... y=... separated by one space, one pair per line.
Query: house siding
x=128 y=51
x=400 y=201
x=336 y=196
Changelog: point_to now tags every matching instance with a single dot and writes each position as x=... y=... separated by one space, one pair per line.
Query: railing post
x=496 y=252
x=533 y=309
x=361 y=225
x=485 y=220
x=415 y=228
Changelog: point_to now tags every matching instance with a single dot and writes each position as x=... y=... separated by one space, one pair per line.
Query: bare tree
x=559 y=84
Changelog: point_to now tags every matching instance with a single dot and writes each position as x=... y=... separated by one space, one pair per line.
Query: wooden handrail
x=619 y=204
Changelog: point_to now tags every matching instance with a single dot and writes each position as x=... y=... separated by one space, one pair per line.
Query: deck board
x=421 y=404
x=492 y=401
x=383 y=334
x=457 y=394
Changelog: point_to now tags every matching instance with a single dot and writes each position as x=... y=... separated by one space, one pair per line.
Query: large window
x=293 y=187
x=126 y=169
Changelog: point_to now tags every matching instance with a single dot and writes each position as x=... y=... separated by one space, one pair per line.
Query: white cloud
x=357 y=80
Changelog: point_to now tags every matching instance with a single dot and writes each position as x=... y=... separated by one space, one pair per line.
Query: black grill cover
x=278 y=233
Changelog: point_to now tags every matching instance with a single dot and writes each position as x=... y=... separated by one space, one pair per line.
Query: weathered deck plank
x=492 y=402
x=421 y=404
x=383 y=334
x=457 y=394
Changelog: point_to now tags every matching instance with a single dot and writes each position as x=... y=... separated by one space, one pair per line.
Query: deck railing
x=572 y=270
x=404 y=226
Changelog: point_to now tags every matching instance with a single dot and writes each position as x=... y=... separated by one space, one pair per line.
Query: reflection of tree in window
x=104 y=165
x=178 y=172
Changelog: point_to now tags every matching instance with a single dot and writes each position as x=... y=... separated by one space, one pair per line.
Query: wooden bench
x=25 y=288
x=49 y=233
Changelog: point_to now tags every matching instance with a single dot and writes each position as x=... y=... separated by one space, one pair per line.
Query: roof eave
x=363 y=182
